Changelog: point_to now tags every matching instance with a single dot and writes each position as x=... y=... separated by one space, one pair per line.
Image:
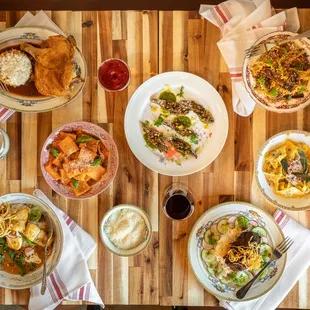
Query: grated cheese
x=126 y=229
x=15 y=67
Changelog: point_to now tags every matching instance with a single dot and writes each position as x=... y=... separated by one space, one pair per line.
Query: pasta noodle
x=286 y=169
x=78 y=160
x=6 y=218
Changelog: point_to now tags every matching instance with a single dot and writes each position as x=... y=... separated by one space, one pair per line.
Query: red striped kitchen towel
x=41 y=19
x=242 y=23
x=298 y=261
x=71 y=279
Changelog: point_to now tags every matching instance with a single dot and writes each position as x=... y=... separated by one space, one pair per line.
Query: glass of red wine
x=178 y=202
x=114 y=75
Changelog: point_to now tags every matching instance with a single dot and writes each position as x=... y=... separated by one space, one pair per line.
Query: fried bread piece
x=54 y=67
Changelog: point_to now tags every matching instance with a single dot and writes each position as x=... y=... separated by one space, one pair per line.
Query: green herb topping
x=75 y=183
x=83 y=139
x=54 y=152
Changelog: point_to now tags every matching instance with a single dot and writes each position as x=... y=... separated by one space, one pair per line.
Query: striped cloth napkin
x=298 y=261
x=242 y=23
x=41 y=19
x=71 y=279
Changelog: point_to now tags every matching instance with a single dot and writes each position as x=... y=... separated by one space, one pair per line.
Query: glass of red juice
x=178 y=202
x=114 y=75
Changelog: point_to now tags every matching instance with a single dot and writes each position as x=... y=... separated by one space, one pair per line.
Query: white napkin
x=242 y=23
x=298 y=261
x=41 y=19
x=71 y=279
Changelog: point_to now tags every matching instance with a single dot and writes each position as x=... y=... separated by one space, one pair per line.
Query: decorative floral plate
x=196 y=245
x=14 y=36
x=293 y=204
x=112 y=167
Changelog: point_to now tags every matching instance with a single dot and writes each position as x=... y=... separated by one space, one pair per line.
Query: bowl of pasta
x=25 y=227
x=283 y=170
x=79 y=160
x=279 y=78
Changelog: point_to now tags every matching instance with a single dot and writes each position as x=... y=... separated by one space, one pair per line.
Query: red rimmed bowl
x=112 y=167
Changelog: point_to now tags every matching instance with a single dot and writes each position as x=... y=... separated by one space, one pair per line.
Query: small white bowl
x=120 y=252
x=293 y=204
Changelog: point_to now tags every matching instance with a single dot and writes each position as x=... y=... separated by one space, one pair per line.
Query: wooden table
x=150 y=42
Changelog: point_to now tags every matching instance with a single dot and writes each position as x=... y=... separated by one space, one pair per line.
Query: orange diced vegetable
x=64 y=178
x=68 y=146
x=87 y=155
x=96 y=172
x=64 y=134
x=81 y=189
x=52 y=172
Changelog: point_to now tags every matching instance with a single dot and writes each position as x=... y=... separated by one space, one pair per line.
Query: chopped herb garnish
x=75 y=183
x=302 y=89
x=183 y=120
x=299 y=67
x=211 y=240
x=27 y=240
x=181 y=92
x=304 y=176
x=159 y=121
x=167 y=95
x=261 y=80
x=289 y=97
x=284 y=164
x=303 y=160
x=54 y=152
x=35 y=214
x=269 y=61
x=83 y=139
x=2 y=241
x=2 y=257
x=273 y=92
x=97 y=162
x=194 y=138
x=285 y=51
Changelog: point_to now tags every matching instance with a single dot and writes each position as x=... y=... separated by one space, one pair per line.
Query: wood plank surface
x=151 y=42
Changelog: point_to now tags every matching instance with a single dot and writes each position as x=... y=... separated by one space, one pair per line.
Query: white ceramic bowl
x=196 y=88
x=249 y=82
x=212 y=284
x=111 y=247
x=294 y=204
x=17 y=282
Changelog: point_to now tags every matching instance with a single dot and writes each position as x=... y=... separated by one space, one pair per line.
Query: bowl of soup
x=26 y=223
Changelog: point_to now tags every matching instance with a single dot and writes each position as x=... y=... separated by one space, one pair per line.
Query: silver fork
x=49 y=236
x=3 y=87
x=277 y=253
x=261 y=48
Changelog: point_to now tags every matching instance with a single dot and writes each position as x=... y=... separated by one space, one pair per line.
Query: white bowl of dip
x=126 y=230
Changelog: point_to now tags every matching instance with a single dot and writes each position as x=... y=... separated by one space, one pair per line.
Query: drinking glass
x=114 y=75
x=178 y=202
x=4 y=143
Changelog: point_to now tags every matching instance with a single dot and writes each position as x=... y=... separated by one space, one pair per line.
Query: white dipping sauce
x=126 y=229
